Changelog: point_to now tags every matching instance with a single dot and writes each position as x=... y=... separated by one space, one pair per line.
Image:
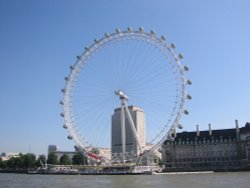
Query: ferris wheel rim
x=151 y=38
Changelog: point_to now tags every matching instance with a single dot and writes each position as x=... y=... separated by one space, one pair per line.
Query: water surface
x=213 y=180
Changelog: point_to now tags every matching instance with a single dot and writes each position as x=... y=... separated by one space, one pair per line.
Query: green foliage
x=65 y=160
x=158 y=160
x=52 y=159
x=79 y=159
x=12 y=162
x=95 y=150
x=28 y=160
x=41 y=161
x=2 y=164
x=22 y=161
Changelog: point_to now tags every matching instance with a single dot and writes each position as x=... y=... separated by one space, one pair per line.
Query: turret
x=237 y=129
x=209 y=129
x=197 y=130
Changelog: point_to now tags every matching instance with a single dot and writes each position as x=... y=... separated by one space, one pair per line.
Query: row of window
x=199 y=159
x=200 y=141
x=206 y=153
x=205 y=164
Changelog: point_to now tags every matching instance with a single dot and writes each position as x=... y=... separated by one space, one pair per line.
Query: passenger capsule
x=70 y=137
x=180 y=126
x=189 y=97
x=152 y=32
x=189 y=82
x=185 y=112
x=186 y=68
x=61 y=102
x=141 y=29
x=172 y=45
x=76 y=148
x=171 y=138
x=180 y=56
x=65 y=126
x=163 y=38
x=62 y=114
x=118 y=30
x=130 y=29
x=96 y=40
x=66 y=78
x=63 y=90
x=106 y=34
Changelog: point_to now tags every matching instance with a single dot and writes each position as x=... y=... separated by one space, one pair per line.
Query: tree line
x=29 y=160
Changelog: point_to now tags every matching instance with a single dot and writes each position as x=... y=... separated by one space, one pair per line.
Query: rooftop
x=215 y=134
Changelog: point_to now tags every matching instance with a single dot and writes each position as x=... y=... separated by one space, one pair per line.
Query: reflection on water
x=225 y=180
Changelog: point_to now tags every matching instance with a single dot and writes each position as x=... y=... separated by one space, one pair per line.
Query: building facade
x=138 y=117
x=5 y=156
x=226 y=149
x=52 y=148
x=103 y=152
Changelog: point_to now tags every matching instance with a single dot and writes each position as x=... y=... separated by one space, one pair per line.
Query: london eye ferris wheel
x=121 y=70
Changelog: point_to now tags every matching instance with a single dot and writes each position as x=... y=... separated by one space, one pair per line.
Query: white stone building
x=225 y=149
x=7 y=155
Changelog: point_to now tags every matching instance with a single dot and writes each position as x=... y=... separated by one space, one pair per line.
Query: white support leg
x=123 y=132
x=124 y=105
x=132 y=126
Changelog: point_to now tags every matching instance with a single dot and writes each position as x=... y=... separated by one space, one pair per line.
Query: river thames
x=211 y=180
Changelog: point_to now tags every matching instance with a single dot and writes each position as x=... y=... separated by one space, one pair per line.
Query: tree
x=65 y=160
x=158 y=160
x=52 y=159
x=13 y=163
x=21 y=162
x=41 y=161
x=28 y=160
x=2 y=163
x=79 y=159
x=95 y=150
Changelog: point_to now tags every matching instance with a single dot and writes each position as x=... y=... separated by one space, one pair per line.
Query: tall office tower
x=138 y=117
x=52 y=148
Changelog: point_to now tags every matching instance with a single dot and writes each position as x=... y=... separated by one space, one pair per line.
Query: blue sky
x=39 y=40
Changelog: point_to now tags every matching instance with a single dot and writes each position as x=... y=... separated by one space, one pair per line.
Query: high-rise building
x=52 y=148
x=138 y=118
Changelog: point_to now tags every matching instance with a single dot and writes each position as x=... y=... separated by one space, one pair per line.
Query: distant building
x=52 y=148
x=156 y=152
x=103 y=152
x=138 y=117
x=208 y=150
x=61 y=153
x=7 y=155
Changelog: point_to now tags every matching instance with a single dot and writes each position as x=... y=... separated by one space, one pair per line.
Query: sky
x=39 y=40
